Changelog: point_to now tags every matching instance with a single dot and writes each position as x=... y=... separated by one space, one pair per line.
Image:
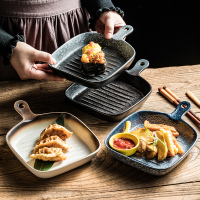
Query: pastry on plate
x=49 y=154
x=55 y=129
x=52 y=141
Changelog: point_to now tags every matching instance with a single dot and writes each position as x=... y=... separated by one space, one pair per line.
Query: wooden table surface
x=103 y=177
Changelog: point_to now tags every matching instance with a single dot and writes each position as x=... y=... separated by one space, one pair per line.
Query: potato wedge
x=143 y=134
x=161 y=146
x=169 y=141
x=151 y=151
x=145 y=138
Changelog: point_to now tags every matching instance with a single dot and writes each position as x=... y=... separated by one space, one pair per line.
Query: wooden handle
x=193 y=98
x=168 y=96
x=23 y=109
x=172 y=100
x=171 y=93
x=191 y=116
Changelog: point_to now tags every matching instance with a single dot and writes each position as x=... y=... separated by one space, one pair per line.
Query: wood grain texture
x=103 y=177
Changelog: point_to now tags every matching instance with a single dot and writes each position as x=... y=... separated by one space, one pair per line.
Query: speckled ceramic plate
x=187 y=138
x=22 y=138
x=118 y=53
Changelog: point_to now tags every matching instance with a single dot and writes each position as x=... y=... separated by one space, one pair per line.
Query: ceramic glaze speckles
x=118 y=54
x=187 y=138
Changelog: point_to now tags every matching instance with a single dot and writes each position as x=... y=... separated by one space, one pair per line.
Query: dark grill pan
x=118 y=53
x=116 y=100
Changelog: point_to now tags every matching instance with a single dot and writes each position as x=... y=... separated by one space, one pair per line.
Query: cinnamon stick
x=175 y=102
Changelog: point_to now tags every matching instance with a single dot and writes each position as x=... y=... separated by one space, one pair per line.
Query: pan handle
x=23 y=109
x=138 y=67
x=123 y=32
x=180 y=110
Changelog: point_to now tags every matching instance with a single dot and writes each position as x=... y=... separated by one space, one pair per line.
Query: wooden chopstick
x=169 y=97
x=193 y=97
x=171 y=93
x=178 y=100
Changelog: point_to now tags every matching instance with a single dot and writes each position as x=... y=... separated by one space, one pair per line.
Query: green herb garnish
x=156 y=139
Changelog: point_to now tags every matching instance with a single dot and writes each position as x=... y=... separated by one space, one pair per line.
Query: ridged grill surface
x=113 y=98
x=72 y=65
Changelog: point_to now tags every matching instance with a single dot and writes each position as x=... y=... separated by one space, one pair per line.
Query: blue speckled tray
x=187 y=138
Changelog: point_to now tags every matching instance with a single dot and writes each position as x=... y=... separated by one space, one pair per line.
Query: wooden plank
x=104 y=177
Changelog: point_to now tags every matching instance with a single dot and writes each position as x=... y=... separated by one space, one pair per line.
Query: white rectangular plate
x=23 y=137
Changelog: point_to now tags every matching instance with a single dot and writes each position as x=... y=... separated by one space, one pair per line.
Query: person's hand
x=109 y=23
x=23 y=59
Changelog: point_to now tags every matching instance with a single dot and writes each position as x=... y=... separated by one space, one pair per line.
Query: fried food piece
x=142 y=146
x=52 y=141
x=157 y=139
x=177 y=144
x=169 y=141
x=55 y=129
x=151 y=151
x=156 y=127
x=49 y=154
x=162 y=146
x=145 y=137
x=143 y=134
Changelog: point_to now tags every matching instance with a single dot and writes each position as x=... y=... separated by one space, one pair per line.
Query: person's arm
x=97 y=7
x=23 y=57
x=7 y=44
